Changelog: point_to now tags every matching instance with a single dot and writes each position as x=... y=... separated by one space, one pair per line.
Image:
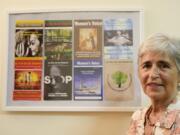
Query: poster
x=28 y=60
x=88 y=42
x=88 y=83
x=73 y=60
x=118 y=80
x=58 y=60
x=118 y=38
x=57 y=81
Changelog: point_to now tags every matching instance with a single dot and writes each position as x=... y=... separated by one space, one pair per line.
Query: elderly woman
x=159 y=73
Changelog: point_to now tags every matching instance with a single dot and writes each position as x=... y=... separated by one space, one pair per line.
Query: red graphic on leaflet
x=27 y=85
x=28 y=64
x=27 y=95
x=27 y=79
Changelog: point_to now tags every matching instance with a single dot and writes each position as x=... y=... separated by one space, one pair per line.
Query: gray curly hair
x=161 y=43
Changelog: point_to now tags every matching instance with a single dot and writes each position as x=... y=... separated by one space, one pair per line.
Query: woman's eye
x=164 y=65
x=146 y=65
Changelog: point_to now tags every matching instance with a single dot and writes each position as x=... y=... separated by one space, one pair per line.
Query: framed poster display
x=73 y=60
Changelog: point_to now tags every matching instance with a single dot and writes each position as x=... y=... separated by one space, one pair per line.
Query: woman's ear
x=138 y=73
x=178 y=85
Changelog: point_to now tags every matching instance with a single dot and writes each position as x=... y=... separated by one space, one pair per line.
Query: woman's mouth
x=154 y=85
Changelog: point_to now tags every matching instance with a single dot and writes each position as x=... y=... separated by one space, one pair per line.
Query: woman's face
x=34 y=44
x=159 y=76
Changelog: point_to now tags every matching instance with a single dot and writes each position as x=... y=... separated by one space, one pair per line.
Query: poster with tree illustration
x=118 y=80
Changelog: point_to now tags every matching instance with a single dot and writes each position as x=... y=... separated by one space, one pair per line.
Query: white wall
x=159 y=16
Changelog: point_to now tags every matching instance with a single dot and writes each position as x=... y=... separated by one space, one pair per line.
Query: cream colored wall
x=159 y=16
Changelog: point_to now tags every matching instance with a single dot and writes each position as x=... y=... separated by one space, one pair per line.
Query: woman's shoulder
x=173 y=108
x=139 y=114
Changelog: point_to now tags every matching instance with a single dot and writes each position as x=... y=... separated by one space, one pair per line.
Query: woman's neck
x=159 y=107
x=154 y=114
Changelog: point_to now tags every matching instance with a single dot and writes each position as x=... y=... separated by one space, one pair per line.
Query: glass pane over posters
x=73 y=61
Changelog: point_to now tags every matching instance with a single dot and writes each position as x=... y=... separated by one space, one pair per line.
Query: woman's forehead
x=155 y=55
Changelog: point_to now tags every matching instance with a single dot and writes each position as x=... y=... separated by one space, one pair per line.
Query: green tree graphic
x=119 y=78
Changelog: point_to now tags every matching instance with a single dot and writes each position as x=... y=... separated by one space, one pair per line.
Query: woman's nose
x=154 y=73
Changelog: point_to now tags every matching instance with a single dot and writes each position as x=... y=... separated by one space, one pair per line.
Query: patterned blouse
x=169 y=124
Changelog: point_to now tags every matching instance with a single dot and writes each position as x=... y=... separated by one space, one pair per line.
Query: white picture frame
x=16 y=96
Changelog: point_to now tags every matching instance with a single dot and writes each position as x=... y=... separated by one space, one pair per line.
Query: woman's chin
x=155 y=95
